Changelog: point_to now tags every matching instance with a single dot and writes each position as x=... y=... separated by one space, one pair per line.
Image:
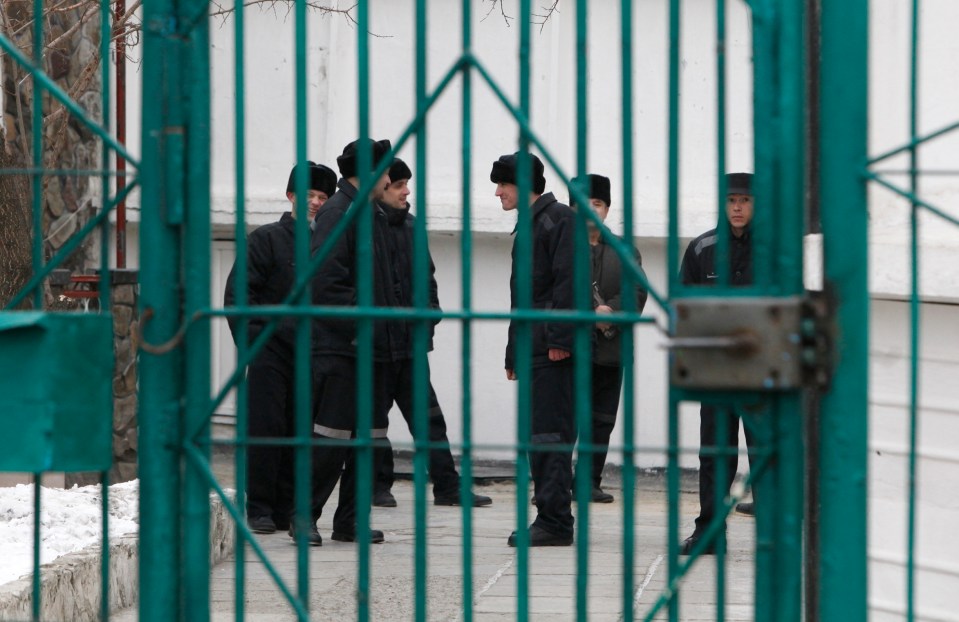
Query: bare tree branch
x=544 y=17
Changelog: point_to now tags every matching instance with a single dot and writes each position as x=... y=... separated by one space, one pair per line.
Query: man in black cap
x=271 y=273
x=398 y=382
x=335 y=340
x=607 y=378
x=552 y=373
x=699 y=268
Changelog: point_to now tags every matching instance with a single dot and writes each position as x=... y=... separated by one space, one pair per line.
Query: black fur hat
x=347 y=161
x=598 y=187
x=322 y=178
x=739 y=183
x=399 y=170
x=504 y=172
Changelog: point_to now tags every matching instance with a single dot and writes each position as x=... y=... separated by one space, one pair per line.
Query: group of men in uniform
x=334 y=346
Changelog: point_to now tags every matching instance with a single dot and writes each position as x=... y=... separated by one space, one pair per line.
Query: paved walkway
x=552 y=577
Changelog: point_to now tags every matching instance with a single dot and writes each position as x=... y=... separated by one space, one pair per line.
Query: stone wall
x=69 y=200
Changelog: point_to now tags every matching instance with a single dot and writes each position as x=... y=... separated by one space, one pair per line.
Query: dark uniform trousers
x=398 y=387
x=607 y=381
x=553 y=423
x=715 y=434
x=335 y=418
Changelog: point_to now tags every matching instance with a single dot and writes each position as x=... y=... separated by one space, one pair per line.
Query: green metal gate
x=176 y=406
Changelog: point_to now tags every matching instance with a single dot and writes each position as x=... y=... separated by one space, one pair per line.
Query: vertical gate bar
x=105 y=547
x=35 y=602
x=523 y=271
x=421 y=327
x=466 y=281
x=241 y=300
x=104 y=284
x=914 y=314
x=844 y=418
x=672 y=259
x=303 y=451
x=196 y=489
x=722 y=260
x=364 y=358
x=120 y=75
x=629 y=306
x=582 y=364
x=160 y=380
x=36 y=123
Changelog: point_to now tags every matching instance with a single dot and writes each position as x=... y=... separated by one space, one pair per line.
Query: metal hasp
x=761 y=343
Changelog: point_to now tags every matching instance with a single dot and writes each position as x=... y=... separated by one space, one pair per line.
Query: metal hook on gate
x=168 y=345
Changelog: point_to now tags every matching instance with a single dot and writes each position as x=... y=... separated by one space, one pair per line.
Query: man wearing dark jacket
x=607 y=378
x=399 y=380
x=699 y=268
x=335 y=340
x=271 y=273
x=552 y=381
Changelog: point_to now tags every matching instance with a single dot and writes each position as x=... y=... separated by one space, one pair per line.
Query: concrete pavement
x=552 y=571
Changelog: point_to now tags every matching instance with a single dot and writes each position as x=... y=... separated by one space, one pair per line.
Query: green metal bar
x=912 y=197
x=201 y=463
x=522 y=267
x=466 y=342
x=69 y=246
x=36 y=135
x=242 y=297
x=914 y=317
x=583 y=336
x=44 y=82
x=844 y=419
x=36 y=579
x=105 y=282
x=105 y=547
x=629 y=306
x=421 y=327
x=303 y=423
x=195 y=510
x=672 y=259
x=160 y=278
x=914 y=142
x=364 y=358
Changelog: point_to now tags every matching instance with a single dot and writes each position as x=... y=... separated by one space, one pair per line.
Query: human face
x=314 y=201
x=739 y=211
x=507 y=194
x=397 y=194
x=379 y=188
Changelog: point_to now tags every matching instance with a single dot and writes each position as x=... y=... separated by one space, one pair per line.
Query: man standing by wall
x=399 y=380
x=552 y=381
x=334 y=340
x=271 y=273
x=699 y=268
x=607 y=378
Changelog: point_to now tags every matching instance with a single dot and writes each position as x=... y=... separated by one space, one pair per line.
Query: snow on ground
x=69 y=521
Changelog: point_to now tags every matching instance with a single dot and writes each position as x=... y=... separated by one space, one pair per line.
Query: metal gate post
x=161 y=378
x=844 y=416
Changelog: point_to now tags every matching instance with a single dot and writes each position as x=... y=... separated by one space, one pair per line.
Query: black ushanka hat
x=322 y=178
x=598 y=187
x=347 y=162
x=504 y=171
x=399 y=170
x=739 y=183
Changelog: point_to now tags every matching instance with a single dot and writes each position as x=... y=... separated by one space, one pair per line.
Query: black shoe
x=262 y=524
x=313 y=537
x=601 y=496
x=690 y=542
x=376 y=536
x=540 y=537
x=384 y=499
x=746 y=508
x=454 y=499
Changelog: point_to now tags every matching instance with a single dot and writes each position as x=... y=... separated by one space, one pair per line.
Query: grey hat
x=739 y=183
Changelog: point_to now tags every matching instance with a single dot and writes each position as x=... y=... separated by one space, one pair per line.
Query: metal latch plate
x=737 y=343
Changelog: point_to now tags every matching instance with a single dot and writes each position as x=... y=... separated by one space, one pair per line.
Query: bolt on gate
x=173 y=176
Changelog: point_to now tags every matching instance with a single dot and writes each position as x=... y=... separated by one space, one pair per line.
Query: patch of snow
x=70 y=519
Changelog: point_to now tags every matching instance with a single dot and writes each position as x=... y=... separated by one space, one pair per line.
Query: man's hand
x=510 y=374
x=603 y=309
x=555 y=354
